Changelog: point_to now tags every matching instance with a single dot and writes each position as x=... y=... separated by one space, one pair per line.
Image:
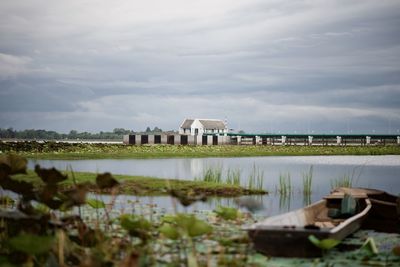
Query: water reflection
x=380 y=172
x=306 y=199
x=284 y=202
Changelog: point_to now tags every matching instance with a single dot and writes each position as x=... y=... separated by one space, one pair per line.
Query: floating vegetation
x=56 y=226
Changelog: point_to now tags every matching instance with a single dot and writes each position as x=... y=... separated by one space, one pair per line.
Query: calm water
x=381 y=172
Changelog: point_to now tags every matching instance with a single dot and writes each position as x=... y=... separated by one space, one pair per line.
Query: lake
x=380 y=172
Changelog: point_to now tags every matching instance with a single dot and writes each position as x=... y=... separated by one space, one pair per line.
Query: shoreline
x=79 y=151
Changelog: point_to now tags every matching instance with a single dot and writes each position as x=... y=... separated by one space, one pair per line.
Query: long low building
x=262 y=139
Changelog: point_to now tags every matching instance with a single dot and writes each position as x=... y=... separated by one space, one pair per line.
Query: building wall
x=201 y=130
x=197 y=125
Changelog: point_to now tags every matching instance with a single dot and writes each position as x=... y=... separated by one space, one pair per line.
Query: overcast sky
x=264 y=66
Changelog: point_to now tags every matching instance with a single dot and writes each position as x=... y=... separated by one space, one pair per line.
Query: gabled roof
x=187 y=123
x=213 y=124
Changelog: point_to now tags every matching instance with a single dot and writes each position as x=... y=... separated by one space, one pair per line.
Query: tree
x=156 y=129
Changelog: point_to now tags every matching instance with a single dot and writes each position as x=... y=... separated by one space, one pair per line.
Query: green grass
x=345 y=181
x=256 y=178
x=307 y=181
x=285 y=184
x=53 y=150
x=233 y=177
x=213 y=175
x=152 y=186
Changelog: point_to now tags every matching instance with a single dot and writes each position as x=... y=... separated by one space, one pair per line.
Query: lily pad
x=32 y=244
x=325 y=244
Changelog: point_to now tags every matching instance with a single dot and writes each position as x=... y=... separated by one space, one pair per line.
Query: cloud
x=265 y=65
x=12 y=66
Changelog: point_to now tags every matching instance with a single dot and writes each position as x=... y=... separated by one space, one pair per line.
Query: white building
x=202 y=126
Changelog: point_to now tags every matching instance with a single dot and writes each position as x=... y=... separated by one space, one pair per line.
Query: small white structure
x=203 y=126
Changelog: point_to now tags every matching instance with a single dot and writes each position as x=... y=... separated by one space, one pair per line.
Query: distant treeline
x=116 y=134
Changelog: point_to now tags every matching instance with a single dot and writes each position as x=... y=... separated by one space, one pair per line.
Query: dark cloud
x=264 y=65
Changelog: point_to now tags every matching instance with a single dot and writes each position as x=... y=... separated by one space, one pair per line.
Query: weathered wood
x=287 y=234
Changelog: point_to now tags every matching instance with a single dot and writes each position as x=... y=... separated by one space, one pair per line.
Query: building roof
x=213 y=124
x=207 y=123
x=187 y=123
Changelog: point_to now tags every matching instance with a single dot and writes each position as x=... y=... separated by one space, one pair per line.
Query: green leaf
x=136 y=225
x=96 y=204
x=13 y=164
x=227 y=213
x=32 y=244
x=106 y=180
x=50 y=176
x=169 y=231
x=188 y=224
x=369 y=246
x=324 y=243
x=198 y=228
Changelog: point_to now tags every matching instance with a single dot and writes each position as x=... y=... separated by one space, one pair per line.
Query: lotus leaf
x=96 y=204
x=325 y=244
x=227 y=213
x=16 y=164
x=106 y=180
x=50 y=176
x=137 y=226
x=169 y=231
x=32 y=244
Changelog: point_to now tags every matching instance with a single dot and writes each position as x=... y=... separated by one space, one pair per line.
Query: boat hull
x=293 y=241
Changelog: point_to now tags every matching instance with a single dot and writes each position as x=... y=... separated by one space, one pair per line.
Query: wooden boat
x=384 y=215
x=286 y=235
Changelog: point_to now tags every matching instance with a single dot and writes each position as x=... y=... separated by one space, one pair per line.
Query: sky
x=329 y=66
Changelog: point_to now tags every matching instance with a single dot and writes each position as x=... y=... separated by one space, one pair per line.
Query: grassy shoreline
x=60 y=151
x=150 y=186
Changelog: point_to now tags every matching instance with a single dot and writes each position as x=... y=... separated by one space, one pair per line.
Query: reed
x=307 y=181
x=345 y=181
x=256 y=179
x=233 y=177
x=285 y=184
x=213 y=175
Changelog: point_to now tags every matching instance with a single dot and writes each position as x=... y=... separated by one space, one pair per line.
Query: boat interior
x=324 y=214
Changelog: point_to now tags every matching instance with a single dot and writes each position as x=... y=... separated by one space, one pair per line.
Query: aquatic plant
x=227 y=213
x=285 y=184
x=233 y=177
x=307 y=181
x=213 y=175
x=34 y=234
x=256 y=178
x=344 y=181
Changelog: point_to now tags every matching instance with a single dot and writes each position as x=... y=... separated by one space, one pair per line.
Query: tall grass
x=213 y=175
x=233 y=177
x=256 y=179
x=345 y=181
x=285 y=184
x=348 y=180
x=307 y=181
